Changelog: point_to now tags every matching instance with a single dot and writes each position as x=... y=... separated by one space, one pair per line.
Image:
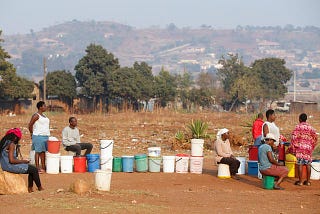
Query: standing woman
x=40 y=132
x=9 y=150
x=270 y=127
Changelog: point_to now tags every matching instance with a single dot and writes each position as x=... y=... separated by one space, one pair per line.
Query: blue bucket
x=93 y=161
x=127 y=163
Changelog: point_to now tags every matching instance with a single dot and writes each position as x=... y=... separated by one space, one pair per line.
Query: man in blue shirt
x=268 y=164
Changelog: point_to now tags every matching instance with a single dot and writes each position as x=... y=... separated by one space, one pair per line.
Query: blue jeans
x=257 y=141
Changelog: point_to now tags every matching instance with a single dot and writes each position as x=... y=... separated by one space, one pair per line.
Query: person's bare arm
x=12 y=160
x=265 y=130
x=33 y=119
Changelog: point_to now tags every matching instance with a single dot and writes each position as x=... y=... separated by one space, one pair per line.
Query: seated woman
x=268 y=165
x=223 y=153
x=9 y=149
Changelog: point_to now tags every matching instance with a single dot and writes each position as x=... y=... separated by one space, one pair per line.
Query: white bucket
x=223 y=171
x=66 y=163
x=106 y=147
x=197 y=147
x=103 y=180
x=106 y=164
x=53 y=163
x=315 y=171
x=242 y=168
x=154 y=151
x=168 y=163
x=196 y=164
x=31 y=156
x=182 y=164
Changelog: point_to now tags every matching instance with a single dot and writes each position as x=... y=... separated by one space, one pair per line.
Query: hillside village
x=176 y=50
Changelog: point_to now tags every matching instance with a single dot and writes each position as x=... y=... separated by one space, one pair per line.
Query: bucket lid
x=92 y=155
x=182 y=155
x=154 y=148
x=127 y=156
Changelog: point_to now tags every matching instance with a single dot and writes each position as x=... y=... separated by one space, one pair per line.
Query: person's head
x=41 y=105
x=260 y=115
x=12 y=135
x=270 y=139
x=223 y=134
x=270 y=115
x=73 y=122
x=303 y=117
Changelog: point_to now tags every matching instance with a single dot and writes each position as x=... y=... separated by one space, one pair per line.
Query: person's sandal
x=307 y=183
x=298 y=183
x=278 y=187
x=41 y=171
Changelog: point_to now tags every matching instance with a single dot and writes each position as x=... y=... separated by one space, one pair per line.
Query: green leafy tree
x=165 y=87
x=184 y=84
x=123 y=85
x=145 y=80
x=11 y=85
x=273 y=76
x=61 y=84
x=93 y=72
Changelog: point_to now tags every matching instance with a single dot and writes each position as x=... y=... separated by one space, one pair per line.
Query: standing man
x=39 y=128
x=257 y=129
x=303 y=141
x=224 y=154
x=71 y=139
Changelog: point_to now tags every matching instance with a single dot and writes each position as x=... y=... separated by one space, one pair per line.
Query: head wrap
x=15 y=131
x=221 y=132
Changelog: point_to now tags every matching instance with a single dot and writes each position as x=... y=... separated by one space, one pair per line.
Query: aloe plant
x=179 y=136
x=198 y=129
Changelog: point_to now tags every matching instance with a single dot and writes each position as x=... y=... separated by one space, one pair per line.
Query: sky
x=20 y=16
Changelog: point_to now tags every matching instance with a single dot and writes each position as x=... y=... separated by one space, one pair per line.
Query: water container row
x=168 y=164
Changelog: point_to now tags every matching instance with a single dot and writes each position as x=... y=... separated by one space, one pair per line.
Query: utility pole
x=294 y=85
x=44 y=79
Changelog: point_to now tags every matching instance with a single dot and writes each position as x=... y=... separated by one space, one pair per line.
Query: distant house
x=301 y=106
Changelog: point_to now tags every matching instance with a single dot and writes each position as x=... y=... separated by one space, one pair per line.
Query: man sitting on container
x=71 y=139
x=268 y=165
x=223 y=153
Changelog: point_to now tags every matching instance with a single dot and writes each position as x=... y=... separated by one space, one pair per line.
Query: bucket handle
x=314 y=169
x=92 y=161
x=107 y=145
x=178 y=160
x=159 y=164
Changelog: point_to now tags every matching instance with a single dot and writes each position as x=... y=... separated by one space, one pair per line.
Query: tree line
x=100 y=79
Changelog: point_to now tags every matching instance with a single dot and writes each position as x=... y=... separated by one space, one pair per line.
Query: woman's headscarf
x=221 y=132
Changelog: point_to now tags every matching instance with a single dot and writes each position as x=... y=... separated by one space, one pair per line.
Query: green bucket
x=154 y=164
x=117 y=164
x=141 y=162
x=268 y=182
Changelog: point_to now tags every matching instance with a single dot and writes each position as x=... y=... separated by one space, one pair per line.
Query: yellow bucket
x=291 y=167
x=291 y=157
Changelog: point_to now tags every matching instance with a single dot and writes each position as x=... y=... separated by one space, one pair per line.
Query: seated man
x=268 y=165
x=71 y=139
x=223 y=153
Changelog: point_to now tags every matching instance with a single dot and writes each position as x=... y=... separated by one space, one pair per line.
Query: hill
x=175 y=49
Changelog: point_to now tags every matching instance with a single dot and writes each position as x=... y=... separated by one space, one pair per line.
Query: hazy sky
x=19 y=16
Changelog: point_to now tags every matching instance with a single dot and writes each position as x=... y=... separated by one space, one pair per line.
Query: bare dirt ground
x=160 y=192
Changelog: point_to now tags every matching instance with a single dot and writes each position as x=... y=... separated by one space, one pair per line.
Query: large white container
x=154 y=151
x=66 y=164
x=196 y=164
x=315 y=171
x=242 y=168
x=223 y=171
x=106 y=164
x=168 y=163
x=197 y=147
x=103 y=180
x=53 y=163
x=106 y=147
x=182 y=163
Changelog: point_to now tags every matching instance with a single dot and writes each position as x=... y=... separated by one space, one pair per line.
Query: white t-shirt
x=272 y=129
x=41 y=126
x=70 y=136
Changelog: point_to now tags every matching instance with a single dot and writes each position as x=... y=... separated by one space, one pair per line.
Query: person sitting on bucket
x=9 y=150
x=268 y=164
x=71 y=139
x=224 y=153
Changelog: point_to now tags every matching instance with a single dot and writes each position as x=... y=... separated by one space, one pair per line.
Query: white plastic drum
x=53 y=163
x=106 y=147
x=242 y=168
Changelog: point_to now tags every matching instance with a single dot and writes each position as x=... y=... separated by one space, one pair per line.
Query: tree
x=93 y=72
x=184 y=84
x=145 y=80
x=61 y=84
x=165 y=87
x=12 y=86
x=273 y=76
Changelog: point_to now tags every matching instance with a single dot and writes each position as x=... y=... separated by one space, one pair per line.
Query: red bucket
x=53 y=146
x=304 y=171
x=80 y=164
x=281 y=154
x=253 y=153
